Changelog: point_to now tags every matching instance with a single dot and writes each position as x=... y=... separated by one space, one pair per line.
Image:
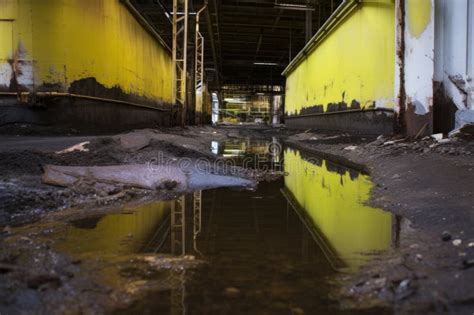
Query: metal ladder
x=197 y=217
x=178 y=227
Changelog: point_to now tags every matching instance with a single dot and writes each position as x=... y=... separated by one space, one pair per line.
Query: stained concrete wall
x=351 y=67
x=203 y=105
x=454 y=59
x=87 y=47
x=425 y=76
x=415 y=65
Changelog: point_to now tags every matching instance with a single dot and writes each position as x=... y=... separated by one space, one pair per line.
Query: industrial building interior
x=236 y=157
x=245 y=65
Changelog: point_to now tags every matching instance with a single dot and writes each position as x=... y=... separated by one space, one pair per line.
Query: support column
x=415 y=66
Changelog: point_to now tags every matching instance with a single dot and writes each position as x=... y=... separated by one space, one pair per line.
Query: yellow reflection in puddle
x=334 y=202
x=125 y=232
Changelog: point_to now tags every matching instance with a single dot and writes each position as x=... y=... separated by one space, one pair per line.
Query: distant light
x=235 y=100
x=265 y=63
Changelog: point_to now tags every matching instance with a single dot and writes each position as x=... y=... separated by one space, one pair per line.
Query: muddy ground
x=428 y=183
x=23 y=159
x=34 y=276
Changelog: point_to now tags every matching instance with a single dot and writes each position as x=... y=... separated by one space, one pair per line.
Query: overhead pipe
x=198 y=14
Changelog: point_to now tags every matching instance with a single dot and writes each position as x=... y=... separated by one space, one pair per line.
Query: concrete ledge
x=84 y=115
x=368 y=122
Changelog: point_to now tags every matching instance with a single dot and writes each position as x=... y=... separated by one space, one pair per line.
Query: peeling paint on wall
x=353 y=67
x=418 y=66
x=6 y=53
x=57 y=44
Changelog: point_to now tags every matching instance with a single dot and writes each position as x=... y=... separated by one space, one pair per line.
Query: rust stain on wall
x=399 y=121
x=421 y=125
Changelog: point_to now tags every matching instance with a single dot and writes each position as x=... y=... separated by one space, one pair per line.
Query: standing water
x=269 y=251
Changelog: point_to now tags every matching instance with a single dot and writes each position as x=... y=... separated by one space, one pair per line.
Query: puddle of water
x=269 y=251
x=332 y=201
x=249 y=152
x=132 y=230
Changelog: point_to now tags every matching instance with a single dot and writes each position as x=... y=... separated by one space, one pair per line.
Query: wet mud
x=309 y=238
x=275 y=249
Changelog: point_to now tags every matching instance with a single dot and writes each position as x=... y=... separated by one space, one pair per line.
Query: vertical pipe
x=185 y=61
x=174 y=50
x=289 y=48
x=309 y=26
x=319 y=15
x=199 y=63
x=470 y=40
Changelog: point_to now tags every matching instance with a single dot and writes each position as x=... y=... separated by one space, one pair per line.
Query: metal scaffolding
x=180 y=46
x=178 y=227
x=178 y=292
x=197 y=217
x=199 y=61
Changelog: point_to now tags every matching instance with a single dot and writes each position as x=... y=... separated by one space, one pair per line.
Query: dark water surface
x=269 y=251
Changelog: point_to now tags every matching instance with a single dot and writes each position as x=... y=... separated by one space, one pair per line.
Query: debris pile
x=436 y=143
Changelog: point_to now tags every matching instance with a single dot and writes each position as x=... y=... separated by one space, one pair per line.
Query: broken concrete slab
x=144 y=176
x=135 y=175
x=135 y=141
x=437 y=137
x=466 y=131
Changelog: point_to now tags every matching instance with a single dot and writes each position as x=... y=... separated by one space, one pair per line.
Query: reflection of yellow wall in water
x=115 y=233
x=335 y=204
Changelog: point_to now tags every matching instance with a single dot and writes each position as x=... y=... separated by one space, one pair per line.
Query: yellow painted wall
x=335 y=203
x=203 y=104
x=357 y=58
x=419 y=16
x=68 y=40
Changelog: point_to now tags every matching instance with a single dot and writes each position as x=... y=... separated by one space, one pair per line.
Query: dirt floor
x=427 y=183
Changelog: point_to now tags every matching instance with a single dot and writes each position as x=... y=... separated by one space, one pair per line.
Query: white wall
x=415 y=65
x=454 y=50
x=419 y=67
